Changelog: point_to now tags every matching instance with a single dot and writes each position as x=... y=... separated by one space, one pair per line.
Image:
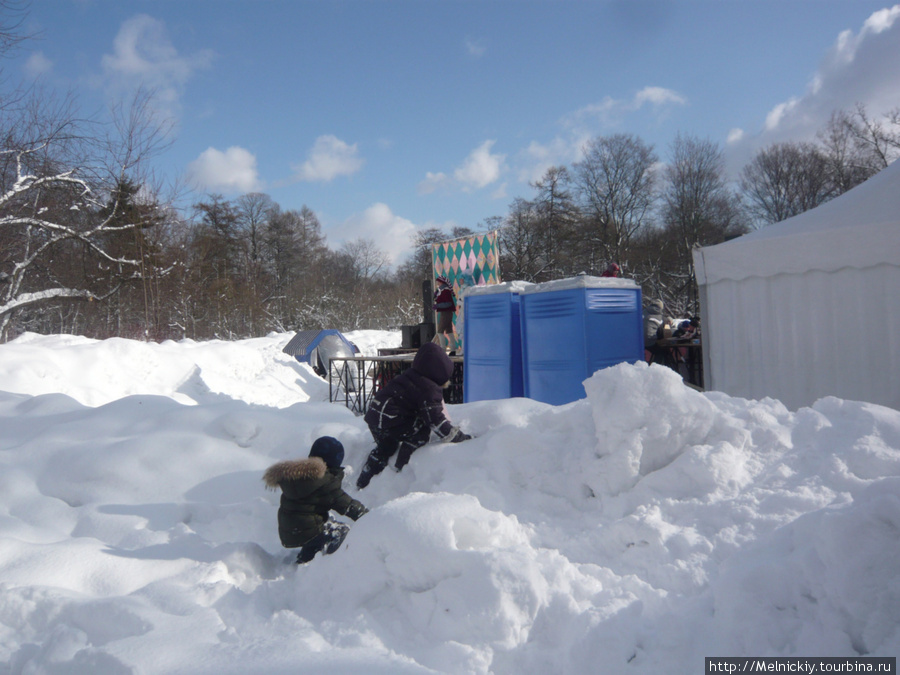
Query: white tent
x=809 y=307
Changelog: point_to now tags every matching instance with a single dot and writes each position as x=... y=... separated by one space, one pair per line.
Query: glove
x=460 y=437
x=356 y=511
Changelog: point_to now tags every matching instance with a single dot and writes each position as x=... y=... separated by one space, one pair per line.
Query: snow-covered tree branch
x=71 y=208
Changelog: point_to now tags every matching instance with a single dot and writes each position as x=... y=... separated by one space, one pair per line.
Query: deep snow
x=638 y=530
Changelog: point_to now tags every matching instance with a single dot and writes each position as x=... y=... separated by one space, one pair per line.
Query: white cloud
x=434 y=181
x=38 y=64
x=779 y=113
x=144 y=56
x=601 y=109
x=538 y=157
x=231 y=171
x=390 y=232
x=329 y=158
x=478 y=170
x=610 y=111
x=859 y=67
x=475 y=48
x=735 y=136
x=585 y=123
x=657 y=97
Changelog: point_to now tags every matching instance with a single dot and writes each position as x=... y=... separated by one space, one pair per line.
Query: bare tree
x=12 y=19
x=60 y=206
x=699 y=209
x=556 y=216
x=653 y=251
x=878 y=140
x=367 y=261
x=297 y=262
x=616 y=191
x=786 y=179
x=848 y=163
x=522 y=254
x=253 y=212
x=418 y=267
x=218 y=239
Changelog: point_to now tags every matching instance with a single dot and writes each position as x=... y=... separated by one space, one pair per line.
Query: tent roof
x=304 y=342
x=860 y=229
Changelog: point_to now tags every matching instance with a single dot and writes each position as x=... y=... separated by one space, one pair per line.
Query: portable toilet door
x=573 y=327
x=492 y=365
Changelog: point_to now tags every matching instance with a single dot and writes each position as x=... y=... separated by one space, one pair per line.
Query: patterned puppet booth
x=468 y=261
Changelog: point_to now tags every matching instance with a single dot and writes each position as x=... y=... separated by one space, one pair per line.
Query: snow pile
x=637 y=530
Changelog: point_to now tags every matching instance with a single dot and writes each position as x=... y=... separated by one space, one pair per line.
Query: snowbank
x=639 y=529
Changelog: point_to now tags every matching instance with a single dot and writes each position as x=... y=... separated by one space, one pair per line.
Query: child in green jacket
x=310 y=489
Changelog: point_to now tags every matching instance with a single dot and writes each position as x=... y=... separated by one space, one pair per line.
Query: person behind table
x=687 y=328
x=310 y=489
x=405 y=412
x=612 y=270
x=653 y=328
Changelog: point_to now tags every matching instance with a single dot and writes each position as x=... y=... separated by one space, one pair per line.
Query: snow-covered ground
x=638 y=530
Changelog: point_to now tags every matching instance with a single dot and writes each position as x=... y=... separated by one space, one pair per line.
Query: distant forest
x=90 y=244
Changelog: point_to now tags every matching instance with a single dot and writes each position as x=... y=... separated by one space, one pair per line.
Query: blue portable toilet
x=492 y=338
x=573 y=327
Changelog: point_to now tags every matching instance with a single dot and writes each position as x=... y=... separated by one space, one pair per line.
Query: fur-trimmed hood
x=311 y=468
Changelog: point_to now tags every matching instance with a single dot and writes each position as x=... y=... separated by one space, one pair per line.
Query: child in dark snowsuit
x=310 y=488
x=407 y=410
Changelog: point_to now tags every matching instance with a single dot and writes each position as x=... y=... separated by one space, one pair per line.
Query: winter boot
x=374 y=465
x=310 y=548
x=336 y=532
x=328 y=540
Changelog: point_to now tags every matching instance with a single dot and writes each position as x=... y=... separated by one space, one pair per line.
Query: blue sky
x=385 y=116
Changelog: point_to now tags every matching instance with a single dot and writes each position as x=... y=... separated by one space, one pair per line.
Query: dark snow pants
x=402 y=442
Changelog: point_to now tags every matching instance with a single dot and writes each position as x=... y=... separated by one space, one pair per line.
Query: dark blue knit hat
x=329 y=449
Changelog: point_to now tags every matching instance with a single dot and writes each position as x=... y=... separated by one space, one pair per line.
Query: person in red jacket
x=445 y=306
x=612 y=270
x=403 y=415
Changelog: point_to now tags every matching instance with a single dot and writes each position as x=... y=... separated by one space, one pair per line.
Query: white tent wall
x=809 y=307
x=800 y=337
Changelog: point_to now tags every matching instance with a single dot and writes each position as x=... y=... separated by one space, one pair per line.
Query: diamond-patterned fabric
x=469 y=260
